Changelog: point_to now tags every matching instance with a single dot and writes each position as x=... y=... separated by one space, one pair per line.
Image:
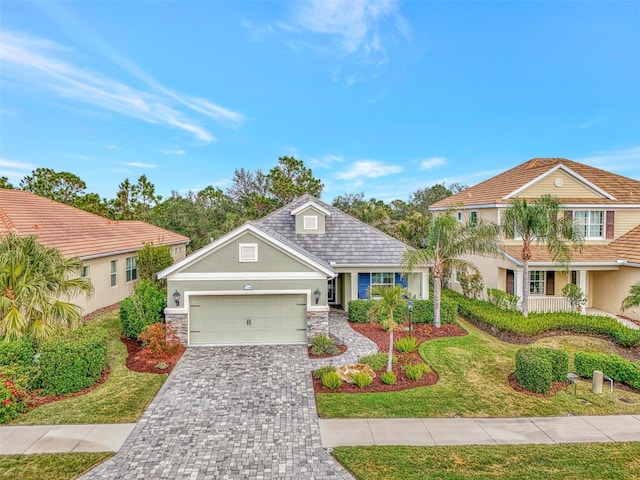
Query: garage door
x=248 y=319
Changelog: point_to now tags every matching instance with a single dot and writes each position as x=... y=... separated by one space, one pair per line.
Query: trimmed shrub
x=161 y=340
x=502 y=300
x=331 y=380
x=422 y=311
x=377 y=361
x=533 y=370
x=74 y=361
x=388 y=378
x=321 y=345
x=614 y=366
x=320 y=372
x=361 y=379
x=406 y=344
x=17 y=352
x=141 y=309
x=359 y=311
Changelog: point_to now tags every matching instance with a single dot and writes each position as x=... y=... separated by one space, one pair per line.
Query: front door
x=331 y=291
x=510 y=282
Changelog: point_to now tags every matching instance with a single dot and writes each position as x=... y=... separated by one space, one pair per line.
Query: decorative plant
x=575 y=295
x=388 y=299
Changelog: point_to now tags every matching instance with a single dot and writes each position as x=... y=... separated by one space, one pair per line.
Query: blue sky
x=379 y=97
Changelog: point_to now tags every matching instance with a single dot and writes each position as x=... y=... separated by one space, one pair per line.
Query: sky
x=380 y=97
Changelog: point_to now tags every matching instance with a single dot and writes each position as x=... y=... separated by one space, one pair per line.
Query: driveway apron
x=229 y=413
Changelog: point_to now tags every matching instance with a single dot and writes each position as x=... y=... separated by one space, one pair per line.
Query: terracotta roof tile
x=494 y=190
x=74 y=232
x=589 y=253
x=628 y=246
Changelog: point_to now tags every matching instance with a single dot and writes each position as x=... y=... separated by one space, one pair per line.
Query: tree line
x=211 y=212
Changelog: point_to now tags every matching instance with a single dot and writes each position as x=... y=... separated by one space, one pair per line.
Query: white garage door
x=248 y=319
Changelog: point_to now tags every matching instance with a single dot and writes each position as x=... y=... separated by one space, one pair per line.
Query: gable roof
x=74 y=232
x=615 y=189
x=626 y=246
x=346 y=241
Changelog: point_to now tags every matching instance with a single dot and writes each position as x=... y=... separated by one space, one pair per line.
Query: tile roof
x=74 y=232
x=494 y=190
x=628 y=246
x=346 y=241
x=589 y=254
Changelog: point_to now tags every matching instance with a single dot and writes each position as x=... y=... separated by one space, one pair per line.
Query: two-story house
x=606 y=206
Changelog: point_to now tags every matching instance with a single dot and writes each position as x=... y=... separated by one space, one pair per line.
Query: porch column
x=582 y=283
x=518 y=284
x=424 y=285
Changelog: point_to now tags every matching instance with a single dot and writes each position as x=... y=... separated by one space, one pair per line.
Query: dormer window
x=310 y=222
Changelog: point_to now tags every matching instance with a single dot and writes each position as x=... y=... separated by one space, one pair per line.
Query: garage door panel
x=250 y=319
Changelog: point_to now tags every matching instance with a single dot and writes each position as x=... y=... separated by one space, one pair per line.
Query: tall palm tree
x=539 y=222
x=633 y=299
x=446 y=240
x=387 y=300
x=35 y=281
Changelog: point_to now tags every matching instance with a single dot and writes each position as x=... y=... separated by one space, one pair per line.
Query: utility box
x=596 y=386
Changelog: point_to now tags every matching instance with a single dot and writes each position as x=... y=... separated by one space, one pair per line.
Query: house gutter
x=122 y=252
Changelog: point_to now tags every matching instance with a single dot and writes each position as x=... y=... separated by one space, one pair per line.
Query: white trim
x=314 y=222
x=566 y=206
x=195 y=276
x=220 y=293
x=225 y=239
x=568 y=171
x=244 y=248
x=310 y=204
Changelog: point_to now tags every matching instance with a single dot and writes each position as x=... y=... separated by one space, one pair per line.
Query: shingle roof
x=346 y=241
x=494 y=190
x=74 y=232
x=628 y=246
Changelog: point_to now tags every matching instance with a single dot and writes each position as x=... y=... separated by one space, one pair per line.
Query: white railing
x=549 y=304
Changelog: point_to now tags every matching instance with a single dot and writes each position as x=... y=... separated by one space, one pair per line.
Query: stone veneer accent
x=180 y=323
x=317 y=323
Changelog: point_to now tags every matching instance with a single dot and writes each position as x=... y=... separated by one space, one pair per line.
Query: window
x=536 y=282
x=473 y=217
x=132 y=271
x=310 y=222
x=85 y=271
x=459 y=216
x=248 y=252
x=591 y=223
x=114 y=273
x=382 y=279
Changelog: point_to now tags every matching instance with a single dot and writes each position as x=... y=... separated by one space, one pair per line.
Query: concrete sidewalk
x=479 y=431
x=63 y=438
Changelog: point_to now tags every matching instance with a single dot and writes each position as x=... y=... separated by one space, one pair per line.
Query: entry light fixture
x=176 y=298
x=316 y=296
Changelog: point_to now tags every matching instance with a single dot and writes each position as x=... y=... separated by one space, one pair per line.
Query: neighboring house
x=605 y=205
x=107 y=247
x=273 y=280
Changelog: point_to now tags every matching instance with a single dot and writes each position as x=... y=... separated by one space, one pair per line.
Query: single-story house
x=106 y=247
x=273 y=280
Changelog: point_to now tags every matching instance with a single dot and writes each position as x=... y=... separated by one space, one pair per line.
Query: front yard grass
x=506 y=462
x=122 y=398
x=52 y=466
x=474 y=372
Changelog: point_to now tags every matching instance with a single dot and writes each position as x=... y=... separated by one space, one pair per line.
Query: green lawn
x=473 y=382
x=50 y=466
x=121 y=399
x=505 y=462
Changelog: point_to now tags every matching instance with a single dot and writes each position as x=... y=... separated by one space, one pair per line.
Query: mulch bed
x=139 y=360
x=342 y=348
x=375 y=332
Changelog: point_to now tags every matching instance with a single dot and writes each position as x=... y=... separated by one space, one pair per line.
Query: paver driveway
x=229 y=413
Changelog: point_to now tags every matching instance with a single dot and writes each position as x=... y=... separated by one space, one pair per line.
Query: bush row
x=479 y=311
x=537 y=367
x=616 y=367
x=422 y=311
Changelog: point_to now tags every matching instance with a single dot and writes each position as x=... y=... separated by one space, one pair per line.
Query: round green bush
x=361 y=379
x=533 y=371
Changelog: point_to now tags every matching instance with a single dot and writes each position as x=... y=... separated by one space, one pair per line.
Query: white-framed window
x=591 y=222
x=248 y=252
x=114 y=273
x=310 y=222
x=454 y=275
x=86 y=271
x=382 y=279
x=536 y=282
x=459 y=216
x=131 y=270
x=473 y=217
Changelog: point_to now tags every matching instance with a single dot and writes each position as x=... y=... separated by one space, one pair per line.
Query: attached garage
x=248 y=319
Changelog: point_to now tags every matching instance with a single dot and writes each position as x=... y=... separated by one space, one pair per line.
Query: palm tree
x=633 y=299
x=446 y=240
x=539 y=221
x=387 y=300
x=34 y=282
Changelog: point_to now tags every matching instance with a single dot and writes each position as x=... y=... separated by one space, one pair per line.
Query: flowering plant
x=11 y=399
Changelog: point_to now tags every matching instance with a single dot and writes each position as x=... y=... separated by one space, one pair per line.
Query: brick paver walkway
x=229 y=413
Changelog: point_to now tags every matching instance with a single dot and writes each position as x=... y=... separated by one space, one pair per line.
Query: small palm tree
x=387 y=300
x=446 y=240
x=539 y=222
x=633 y=299
x=34 y=282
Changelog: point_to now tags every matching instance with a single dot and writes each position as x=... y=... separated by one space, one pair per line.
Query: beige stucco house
x=606 y=206
x=273 y=280
x=106 y=247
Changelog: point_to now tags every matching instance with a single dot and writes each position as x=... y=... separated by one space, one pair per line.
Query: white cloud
x=369 y=169
x=432 y=162
x=6 y=163
x=139 y=164
x=326 y=161
x=45 y=65
x=173 y=151
x=622 y=160
x=15 y=171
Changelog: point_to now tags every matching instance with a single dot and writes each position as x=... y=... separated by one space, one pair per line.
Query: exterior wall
x=180 y=321
x=570 y=188
x=609 y=288
x=624 y=221
x=313 y=212
x=317 y=323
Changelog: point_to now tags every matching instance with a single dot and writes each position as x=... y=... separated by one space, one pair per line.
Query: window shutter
x=610 y=223
x=568 y=214
x=364 y=280
x=401 y=280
